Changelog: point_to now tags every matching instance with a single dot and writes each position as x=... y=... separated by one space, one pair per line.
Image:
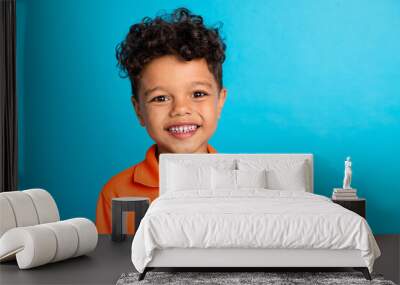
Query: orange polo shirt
x=138 y=180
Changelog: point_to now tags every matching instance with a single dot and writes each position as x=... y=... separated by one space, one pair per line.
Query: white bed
x=215 y=224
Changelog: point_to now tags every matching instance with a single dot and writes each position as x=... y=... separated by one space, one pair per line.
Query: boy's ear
x=221 y=100
x=136 y=106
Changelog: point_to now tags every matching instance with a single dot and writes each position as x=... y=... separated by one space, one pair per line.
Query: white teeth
x=183 y=129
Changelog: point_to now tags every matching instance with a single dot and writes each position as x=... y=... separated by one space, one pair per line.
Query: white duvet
x=250 y=218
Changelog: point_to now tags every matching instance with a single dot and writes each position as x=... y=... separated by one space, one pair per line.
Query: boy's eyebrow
x=202 y=83
x=148 y=91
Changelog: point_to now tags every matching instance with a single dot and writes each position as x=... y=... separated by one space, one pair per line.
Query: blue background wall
x=319 y=77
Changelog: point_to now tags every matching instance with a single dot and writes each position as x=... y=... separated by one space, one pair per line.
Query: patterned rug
x=269 y=278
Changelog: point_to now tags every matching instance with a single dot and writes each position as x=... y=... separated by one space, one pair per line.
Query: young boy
x=174 y=64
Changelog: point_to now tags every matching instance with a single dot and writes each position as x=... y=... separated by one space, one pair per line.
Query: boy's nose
x=181 y=107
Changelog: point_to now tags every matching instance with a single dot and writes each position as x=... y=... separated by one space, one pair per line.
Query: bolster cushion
x=40 y=244
x=26 y=208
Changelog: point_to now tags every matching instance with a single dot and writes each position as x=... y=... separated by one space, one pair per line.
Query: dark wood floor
x=388 y=263
x=111 y=259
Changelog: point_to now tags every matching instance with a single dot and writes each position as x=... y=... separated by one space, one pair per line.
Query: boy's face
x=176 y=92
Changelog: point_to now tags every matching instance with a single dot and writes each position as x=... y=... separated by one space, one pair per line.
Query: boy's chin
x=185 y=148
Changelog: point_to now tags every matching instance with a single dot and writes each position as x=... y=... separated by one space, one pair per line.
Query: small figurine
x=347 y=173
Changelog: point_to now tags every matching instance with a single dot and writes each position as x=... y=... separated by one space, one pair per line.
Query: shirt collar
x=146 y=172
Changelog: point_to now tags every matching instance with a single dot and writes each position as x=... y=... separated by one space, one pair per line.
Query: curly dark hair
x=181 y=33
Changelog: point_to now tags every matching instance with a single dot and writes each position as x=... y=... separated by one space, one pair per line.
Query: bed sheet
x=250 y=218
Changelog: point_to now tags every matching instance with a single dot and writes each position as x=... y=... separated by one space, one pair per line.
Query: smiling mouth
x=183 y=131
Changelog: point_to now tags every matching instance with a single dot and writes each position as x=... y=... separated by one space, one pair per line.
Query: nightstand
x=357 y=206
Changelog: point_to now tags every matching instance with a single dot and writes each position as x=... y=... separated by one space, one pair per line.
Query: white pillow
x=282 y=174
x=182 y=177
x=252 y=178
x=289 y=179
x=223 y=163
x=223 y=179
x=235 y=179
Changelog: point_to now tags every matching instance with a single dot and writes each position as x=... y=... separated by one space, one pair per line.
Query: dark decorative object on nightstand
x=357 y=206
x=139 y=205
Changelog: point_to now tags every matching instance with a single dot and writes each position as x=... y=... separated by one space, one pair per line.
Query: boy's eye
x=161 y=98
x=199 y=94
